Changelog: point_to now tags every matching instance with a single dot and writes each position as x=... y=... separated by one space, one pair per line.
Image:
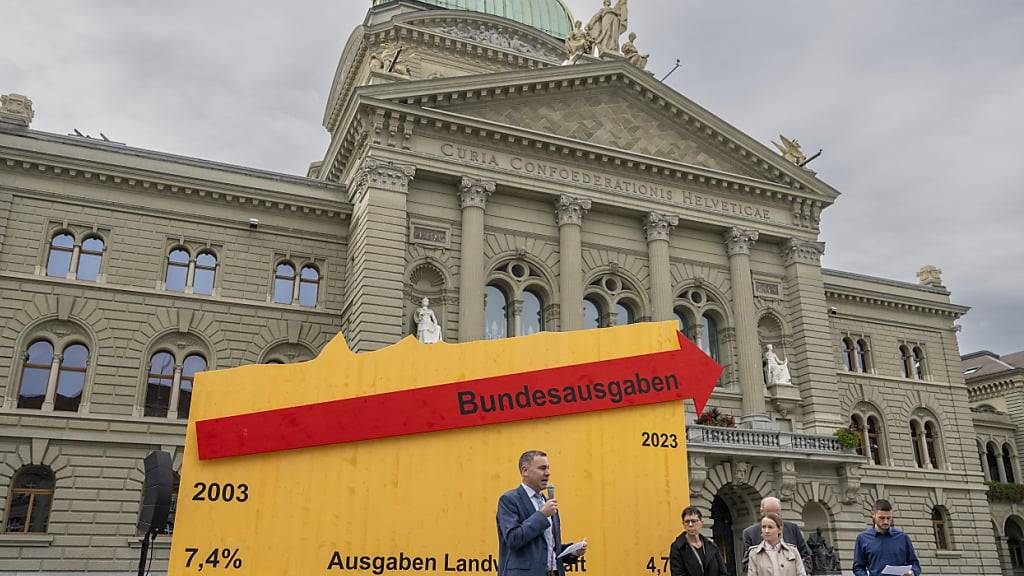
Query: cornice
x=977 y=391
x=70 y=168
x=393 y=125
x=891 y=301
x=748 y=151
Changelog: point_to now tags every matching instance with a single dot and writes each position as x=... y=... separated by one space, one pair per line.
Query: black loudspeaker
x=156 y=493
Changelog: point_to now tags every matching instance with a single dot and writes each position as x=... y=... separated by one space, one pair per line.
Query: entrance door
x=722 y=533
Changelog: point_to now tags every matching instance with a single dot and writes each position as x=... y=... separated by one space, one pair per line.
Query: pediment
x=612 y=116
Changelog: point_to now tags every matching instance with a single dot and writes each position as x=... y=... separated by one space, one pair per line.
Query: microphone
x=551 y=491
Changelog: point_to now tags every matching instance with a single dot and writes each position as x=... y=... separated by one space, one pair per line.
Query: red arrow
x=618 y=383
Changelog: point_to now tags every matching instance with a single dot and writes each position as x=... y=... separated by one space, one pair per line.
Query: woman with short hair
x=692 y=554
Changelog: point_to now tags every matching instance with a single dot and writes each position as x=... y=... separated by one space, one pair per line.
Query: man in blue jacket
x=882 y=545
x=529 y=530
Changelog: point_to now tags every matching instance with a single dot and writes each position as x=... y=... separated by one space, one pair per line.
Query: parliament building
x=523 y=177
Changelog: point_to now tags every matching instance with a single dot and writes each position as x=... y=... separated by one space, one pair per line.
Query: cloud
x=916 y=105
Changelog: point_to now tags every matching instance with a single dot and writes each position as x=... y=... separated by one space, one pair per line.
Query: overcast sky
x=919 y=106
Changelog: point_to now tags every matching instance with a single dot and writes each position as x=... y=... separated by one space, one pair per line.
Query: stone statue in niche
x=607 y=25
x=632 y=54
x=428 y=331
x=776 y=371
x=578 y=42
x=823 y=556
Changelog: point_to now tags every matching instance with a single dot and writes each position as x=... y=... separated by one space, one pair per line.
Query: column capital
x=385 y=174
x=570 y=209
x=659 y=226
x=474 y=192
x=739 y=240
x=800 y=251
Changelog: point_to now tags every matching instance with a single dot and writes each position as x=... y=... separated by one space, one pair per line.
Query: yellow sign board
x=389 y=462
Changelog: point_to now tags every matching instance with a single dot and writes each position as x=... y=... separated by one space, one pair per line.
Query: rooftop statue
x=607 y=25
x=391 y=58
x=790 y=150
x=632 y=54
x=578 y=42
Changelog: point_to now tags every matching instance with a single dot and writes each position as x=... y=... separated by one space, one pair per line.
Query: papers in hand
x=891 y=570
x=574 y=548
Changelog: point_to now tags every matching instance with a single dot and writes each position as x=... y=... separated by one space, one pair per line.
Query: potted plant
x=847 y=438
x=715 y=417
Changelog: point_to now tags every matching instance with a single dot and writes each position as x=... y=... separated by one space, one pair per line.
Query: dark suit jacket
x=522 y=549
x=683 y=562
x=791 y=534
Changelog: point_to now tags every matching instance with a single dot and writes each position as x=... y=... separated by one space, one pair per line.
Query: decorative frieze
x=570 y=209
x=797 y=251
x=475 y=192
x=659 y=226
x=739 y=240
x=16 y=109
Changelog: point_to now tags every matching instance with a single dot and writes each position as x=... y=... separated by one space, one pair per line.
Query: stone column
x=378 y=236
x=812 y=361
x=172 y=404
x=569 y=211
x=473 y=195
x=999 y=462
x=984 y=465
x=657 y=228
x=51 y=383
x=737 y=243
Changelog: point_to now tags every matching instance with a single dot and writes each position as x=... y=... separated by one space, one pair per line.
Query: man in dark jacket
x=791 y=534
x=882 y=545
x=692 y=554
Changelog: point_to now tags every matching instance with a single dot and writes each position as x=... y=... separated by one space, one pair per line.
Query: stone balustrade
x=701 y=438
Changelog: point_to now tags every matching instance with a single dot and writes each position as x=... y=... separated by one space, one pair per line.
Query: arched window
x=28 y=508
x=159 y=383
x=940 y=528
x=906 y=362
x=62 y=249
x=848 y=355
x=915 y=438
x=496 y=313
x=857 y=427
x=683 y=325
x=89 y=259
x=874 y=440
x=284 y=283
x=624 y=314
x=71 y=378
x=1015 y=541
x=177 y=269
x=591 y=314
x=918 y=363
x=1008 y=463
x=192 y=365
x=993 y=463
x=205 y=274
x=309 y=286
x=861 y=352
x=709 y=337
x=35 y=374
x=533 y=313
x=931 y=439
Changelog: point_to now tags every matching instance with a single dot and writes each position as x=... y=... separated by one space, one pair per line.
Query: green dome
x=549 y=16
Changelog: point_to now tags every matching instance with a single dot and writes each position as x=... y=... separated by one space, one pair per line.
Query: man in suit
x=529 y=530
x=790 y=534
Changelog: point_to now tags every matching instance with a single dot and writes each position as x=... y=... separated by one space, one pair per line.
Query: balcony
x=765 y=443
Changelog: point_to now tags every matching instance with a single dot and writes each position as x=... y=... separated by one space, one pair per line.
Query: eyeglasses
x=688 y=522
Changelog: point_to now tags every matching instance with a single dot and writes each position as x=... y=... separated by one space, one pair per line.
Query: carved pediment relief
x=610 y=116
x=489 y=34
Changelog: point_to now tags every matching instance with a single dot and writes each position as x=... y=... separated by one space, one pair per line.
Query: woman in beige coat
x=773 y=557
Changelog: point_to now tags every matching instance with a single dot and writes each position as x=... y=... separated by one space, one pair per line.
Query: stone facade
x=535 y=197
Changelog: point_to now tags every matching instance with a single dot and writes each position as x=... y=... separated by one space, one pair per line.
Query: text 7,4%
x=226 y=558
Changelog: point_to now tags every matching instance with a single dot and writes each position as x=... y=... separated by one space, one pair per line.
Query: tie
x=549 y=535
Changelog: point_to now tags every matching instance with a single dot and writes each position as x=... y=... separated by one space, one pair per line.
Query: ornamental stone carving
x=496 y=37
x=570 y=209
x=790 y=150
x=785 y=480
x=578 y=42
x=607 y=25
x=739 y=240
x=633 y=56
x=698 y=474
x=385 y=174
x=16 y=109
x=930 y=276
x=659 y=226
x=800 y=251
x=740 y=472
x=850 y=482
x=474 y=192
